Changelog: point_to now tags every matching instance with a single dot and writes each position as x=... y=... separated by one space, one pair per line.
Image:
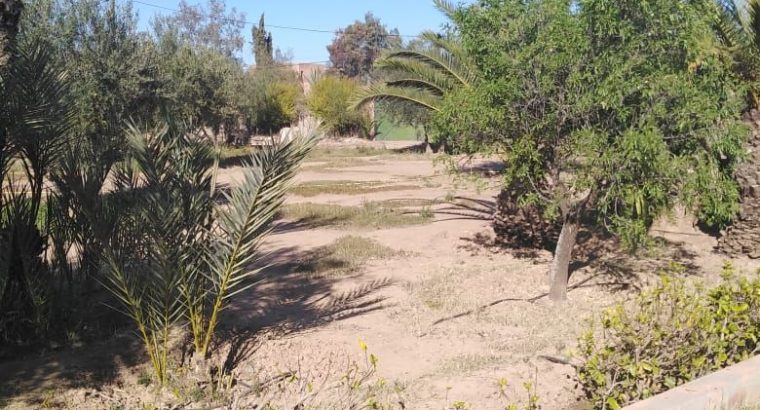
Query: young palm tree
x=35 y=122
x=738 y=29
x=193 y=247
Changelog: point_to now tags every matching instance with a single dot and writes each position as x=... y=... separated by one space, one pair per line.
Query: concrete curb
x=726 y=389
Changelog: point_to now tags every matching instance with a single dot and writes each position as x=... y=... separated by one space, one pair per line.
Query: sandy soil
x=447 y=318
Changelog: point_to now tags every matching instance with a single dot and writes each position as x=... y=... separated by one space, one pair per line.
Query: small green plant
x=460 y=405
x=532 y=402
x=144 y=379
x=672 y=334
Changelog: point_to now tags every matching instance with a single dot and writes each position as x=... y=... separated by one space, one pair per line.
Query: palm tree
x=738 y=30
x=421 y=76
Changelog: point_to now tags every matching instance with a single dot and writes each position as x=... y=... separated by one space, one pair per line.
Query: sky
x=409 y=16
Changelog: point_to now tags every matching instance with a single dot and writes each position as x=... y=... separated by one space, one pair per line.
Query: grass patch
x=231 y=152
x=468 y=363
x=410 y=202
x=346 y=187
x=441 y=292
x=369 y=215
x=329 y=165
x=345 y=256
x=389 y=131
x=325 y=153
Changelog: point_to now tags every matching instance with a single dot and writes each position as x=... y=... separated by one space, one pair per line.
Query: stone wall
x=743 y=236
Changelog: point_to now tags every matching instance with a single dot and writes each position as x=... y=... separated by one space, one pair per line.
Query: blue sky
x=409 y=16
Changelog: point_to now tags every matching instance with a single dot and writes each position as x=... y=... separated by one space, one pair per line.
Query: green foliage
x=738 y=32
x=35 y=122
x=270 y=98
x=355 y=47
x=672 y=334
x=601 y=120
x=563 y=94
x=189 y=254
x=211 y=27
x=411 y=82
x=262 y=44
x=330 y=101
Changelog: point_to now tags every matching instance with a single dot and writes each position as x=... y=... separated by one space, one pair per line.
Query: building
x=306 y=72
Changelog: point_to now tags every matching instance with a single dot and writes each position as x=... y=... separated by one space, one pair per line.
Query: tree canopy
x=354 y=49
x=596 y=116
x=212 y=27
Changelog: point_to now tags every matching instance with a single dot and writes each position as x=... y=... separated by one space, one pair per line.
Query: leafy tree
x=262 y=44
x=330 y=101
x=212 y=27
x=10 y=13
x=596 y=115
x=355 y=47
x=270 y=98
x=738 y=29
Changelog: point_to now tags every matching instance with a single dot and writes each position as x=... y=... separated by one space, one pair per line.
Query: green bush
x=330 y=101
x=674 y=333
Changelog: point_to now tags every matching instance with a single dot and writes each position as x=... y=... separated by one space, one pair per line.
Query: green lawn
x=388 y=131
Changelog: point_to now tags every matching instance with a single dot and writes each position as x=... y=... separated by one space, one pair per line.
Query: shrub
x=674 y=333
x=330 y=101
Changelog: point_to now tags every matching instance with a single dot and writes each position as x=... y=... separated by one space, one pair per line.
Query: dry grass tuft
x=370 y=215
x=346 y=188
x=322 y=153
x=470 y=362
x=331 y=164
x=345 y=256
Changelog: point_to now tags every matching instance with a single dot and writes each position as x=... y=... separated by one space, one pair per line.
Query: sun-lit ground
x=378 y=247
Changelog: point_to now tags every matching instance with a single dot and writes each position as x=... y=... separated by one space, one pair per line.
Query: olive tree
x=608 y=113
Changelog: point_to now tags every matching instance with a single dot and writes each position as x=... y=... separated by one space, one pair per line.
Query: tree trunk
x=558 y=275
x=10 y=12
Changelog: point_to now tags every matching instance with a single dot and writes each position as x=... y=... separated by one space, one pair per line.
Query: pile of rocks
x=743 y=236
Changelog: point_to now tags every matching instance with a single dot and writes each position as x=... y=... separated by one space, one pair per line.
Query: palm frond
x=247 y=217
x=446 y=7
x=729 y=24
x=438 y=59
x=753 y=23
x=399 y=95
x=397 y=67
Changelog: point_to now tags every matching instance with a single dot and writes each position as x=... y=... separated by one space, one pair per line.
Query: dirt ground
x=447 y=315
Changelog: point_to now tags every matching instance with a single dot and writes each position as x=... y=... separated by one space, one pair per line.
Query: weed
x=144 y=378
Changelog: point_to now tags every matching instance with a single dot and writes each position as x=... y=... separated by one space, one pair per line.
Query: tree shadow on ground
x=483 y=168
x=603 y=263
x=288 y=298
x=283 y=300
x=466 y=208
x=90 y=366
